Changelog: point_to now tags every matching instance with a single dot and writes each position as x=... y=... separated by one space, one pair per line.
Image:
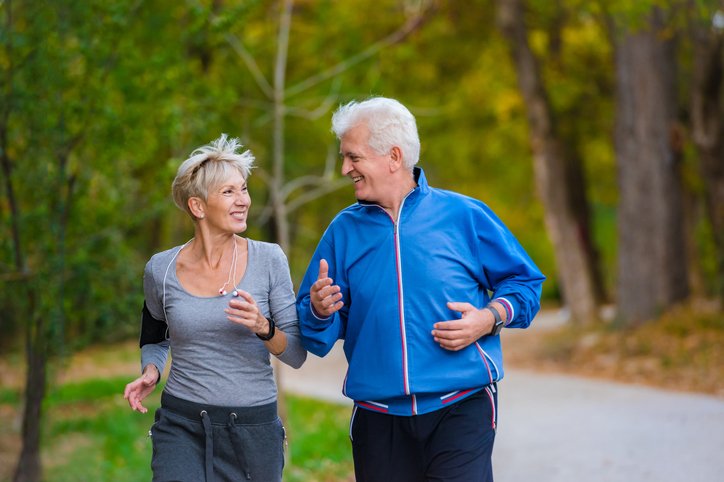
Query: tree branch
x=309 y=196
x=398 y=35
x=251 y=64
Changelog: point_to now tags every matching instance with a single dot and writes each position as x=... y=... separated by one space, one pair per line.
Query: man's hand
x=325 y=296
x=455 y=335
x=141 y=387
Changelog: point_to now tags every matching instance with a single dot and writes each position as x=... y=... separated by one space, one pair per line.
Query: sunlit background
x=594 y=130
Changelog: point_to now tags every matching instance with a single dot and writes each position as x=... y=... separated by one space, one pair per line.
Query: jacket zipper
x=400 y=295
x=401 y=298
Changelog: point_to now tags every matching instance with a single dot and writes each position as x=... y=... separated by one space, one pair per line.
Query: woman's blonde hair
x=209 y=166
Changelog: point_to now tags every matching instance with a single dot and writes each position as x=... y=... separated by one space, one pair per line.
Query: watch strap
x=498 y=325
x=272 y=330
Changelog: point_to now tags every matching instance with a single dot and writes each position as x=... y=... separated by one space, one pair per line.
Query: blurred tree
x=652 y=272
x=559 y=177
x=64 y=89
x=706 y=33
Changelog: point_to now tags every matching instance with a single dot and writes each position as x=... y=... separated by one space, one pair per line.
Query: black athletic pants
x=453 y=444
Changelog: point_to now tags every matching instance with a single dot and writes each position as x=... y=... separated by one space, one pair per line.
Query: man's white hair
x=389 y=122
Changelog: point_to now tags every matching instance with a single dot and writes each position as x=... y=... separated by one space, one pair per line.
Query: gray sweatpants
x=194 y=442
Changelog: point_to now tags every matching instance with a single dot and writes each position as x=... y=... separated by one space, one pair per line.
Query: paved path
x=568 y=429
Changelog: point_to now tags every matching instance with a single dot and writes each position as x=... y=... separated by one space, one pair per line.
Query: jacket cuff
x=509 y=309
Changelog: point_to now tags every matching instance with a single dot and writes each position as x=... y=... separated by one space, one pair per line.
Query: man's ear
x=395 y=159
x=197 y=207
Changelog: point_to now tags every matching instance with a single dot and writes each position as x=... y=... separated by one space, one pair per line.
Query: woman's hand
x=141 y=387
x=243 y=310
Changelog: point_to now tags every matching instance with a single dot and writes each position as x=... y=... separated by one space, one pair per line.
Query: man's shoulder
x=348 y=214
x=454 y=199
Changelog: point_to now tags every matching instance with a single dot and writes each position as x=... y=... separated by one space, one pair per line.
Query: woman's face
x=227 y=205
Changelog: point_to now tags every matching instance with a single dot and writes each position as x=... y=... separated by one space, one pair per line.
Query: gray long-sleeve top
x=216 y=361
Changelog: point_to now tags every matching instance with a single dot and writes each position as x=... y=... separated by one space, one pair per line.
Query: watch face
x=498 y=328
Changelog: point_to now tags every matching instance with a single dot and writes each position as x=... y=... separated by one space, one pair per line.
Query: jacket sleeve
x=320 y=334
x=507 y=270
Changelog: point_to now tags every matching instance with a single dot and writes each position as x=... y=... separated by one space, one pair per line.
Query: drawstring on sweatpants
x=208 y=431
x=233 y=426
x=239 y=442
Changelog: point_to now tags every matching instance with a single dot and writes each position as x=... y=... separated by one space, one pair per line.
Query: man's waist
x=418 y=404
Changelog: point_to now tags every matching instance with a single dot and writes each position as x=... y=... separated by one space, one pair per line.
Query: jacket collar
x=421 y=180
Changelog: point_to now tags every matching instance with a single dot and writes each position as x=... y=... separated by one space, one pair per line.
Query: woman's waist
x=219 y=414
x=223 y=389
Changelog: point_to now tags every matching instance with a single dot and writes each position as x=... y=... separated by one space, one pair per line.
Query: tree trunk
x=279 y=208
x=707 y=124
x=557 y=176
x=29 y=467
x=652 y=267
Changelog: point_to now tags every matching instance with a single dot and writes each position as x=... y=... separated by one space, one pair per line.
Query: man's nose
x=346 y=166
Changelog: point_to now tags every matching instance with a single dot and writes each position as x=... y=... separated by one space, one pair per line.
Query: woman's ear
x=197 y=207
x=395 y=159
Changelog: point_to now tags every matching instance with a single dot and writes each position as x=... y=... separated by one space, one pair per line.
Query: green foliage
x=105 y=99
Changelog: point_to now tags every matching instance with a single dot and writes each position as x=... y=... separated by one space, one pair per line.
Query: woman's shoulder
x=162 y=259
x=265 y=249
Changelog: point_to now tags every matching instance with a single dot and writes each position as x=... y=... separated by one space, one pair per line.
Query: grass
x=91 y=435
x=319 y=441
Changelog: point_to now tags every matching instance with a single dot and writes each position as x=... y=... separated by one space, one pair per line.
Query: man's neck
x=403 y=190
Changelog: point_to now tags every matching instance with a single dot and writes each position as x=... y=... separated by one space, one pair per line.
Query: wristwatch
x=272 y=329
x=499 y=323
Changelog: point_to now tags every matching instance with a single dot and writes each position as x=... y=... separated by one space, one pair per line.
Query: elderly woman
x=222 y=304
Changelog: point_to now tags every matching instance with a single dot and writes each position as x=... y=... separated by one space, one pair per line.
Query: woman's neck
x=211 y=248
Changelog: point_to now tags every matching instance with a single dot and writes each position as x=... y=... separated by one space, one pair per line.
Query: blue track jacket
x=396 y=279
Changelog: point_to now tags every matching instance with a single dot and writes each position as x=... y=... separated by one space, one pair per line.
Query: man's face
x=369 y=171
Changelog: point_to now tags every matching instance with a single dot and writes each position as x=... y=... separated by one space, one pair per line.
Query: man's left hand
x=455 y=335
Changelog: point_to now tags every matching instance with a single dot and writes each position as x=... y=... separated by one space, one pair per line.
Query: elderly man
x=418 y=282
